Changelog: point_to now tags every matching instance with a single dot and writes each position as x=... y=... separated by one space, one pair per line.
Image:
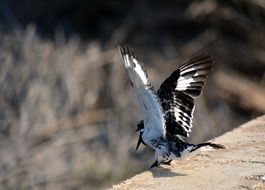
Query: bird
x=168 y=112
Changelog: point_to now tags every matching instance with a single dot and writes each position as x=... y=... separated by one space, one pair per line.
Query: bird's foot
x=155 y=164
x=167 y=162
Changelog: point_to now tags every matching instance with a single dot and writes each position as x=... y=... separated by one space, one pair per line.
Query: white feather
x=147 y=99
x=142 y=75
x=153 y=115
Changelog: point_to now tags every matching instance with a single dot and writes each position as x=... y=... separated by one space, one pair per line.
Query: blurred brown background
x=67 y=111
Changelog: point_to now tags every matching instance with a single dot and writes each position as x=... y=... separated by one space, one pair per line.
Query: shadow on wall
x=164 y=172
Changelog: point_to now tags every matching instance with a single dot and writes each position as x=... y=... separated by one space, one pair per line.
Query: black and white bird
x=167 y=113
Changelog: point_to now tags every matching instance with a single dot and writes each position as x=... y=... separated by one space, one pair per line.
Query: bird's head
x=140 y=127
x=140 y=131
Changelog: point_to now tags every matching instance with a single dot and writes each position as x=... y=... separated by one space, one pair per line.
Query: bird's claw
x=167 y=162
x=155 y=164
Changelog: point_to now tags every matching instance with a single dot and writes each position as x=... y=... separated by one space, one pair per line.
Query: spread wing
x=177 y=92
x=147 y=98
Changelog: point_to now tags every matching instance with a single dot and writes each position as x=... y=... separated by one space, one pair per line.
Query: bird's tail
x=207 y=144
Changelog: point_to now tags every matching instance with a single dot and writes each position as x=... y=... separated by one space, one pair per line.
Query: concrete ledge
x=240 y=166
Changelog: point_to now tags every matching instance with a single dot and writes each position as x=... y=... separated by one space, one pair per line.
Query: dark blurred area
x=67 y=111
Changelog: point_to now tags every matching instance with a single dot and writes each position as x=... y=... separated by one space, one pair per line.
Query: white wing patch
x=182 y=118
x=186 y=123
x=141 y=73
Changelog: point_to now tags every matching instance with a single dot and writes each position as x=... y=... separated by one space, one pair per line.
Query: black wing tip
x=210 y=59
x=201 y=56
x=125 y=50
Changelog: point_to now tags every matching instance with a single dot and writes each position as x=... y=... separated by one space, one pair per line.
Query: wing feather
x=176 y=93
x=147 y=98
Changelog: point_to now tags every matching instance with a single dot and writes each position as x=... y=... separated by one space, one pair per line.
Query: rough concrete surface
x=240 y=166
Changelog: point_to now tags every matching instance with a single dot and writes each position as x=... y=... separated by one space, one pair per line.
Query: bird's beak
x=139 y=142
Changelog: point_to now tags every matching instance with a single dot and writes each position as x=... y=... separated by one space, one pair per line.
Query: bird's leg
x=167 y=162
x=155 y=164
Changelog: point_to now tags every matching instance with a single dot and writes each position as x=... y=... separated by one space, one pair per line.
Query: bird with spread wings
x=168 y=113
